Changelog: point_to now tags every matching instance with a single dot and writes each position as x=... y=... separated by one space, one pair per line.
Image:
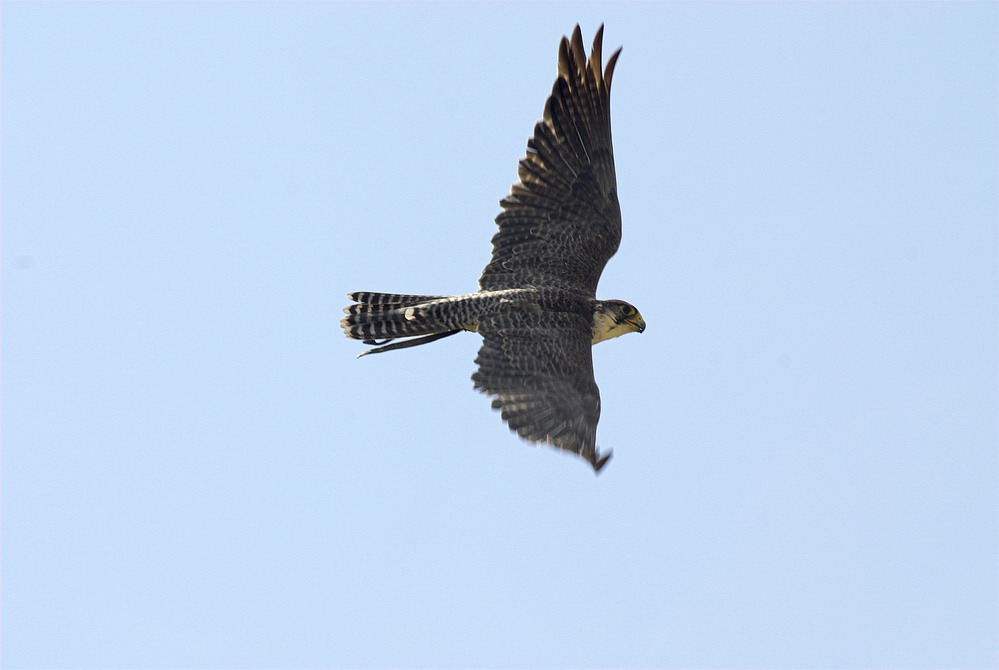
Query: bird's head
x=612 y=318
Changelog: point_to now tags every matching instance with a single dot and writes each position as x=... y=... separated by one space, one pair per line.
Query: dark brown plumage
x=536 y=308
x=561 y=222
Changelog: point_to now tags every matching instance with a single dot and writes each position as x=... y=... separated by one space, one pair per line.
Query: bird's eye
x=627 y=310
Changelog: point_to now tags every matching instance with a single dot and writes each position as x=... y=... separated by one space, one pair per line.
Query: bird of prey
x=536 y=307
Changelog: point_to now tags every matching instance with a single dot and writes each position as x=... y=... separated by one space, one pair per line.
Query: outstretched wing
x=538 y=366
x=561 y=222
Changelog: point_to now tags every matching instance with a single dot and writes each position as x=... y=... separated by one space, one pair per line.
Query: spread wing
x=538 y=365
x=561 y=222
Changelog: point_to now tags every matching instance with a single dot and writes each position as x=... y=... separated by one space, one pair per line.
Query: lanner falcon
x=536 y=307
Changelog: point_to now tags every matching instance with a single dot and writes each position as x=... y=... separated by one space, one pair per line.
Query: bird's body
x=536 y=307
x=413 y=315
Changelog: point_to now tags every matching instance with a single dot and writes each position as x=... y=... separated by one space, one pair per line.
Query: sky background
x=198 y=473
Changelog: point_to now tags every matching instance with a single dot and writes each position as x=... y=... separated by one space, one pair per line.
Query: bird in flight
x=536 y=307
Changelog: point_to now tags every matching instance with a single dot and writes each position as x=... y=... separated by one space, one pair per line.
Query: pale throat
x=605 y=327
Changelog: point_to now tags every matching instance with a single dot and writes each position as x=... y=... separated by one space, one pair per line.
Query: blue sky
x=197 y=472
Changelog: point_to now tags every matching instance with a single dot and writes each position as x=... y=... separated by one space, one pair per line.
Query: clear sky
x=198 y=473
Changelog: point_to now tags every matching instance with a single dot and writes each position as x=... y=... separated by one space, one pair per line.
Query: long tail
x=386 y=316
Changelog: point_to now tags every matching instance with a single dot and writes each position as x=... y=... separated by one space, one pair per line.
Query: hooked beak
x=639 y=324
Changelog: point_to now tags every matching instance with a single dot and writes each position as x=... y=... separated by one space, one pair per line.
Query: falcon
x=536 y=307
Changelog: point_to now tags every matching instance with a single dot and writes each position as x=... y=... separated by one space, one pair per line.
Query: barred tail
x=390 y=315
x=396 y=299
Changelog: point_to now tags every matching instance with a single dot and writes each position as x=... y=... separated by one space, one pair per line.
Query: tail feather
x=361 y=309
x=396 y=299
x=406 y=343
x=386 y=316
